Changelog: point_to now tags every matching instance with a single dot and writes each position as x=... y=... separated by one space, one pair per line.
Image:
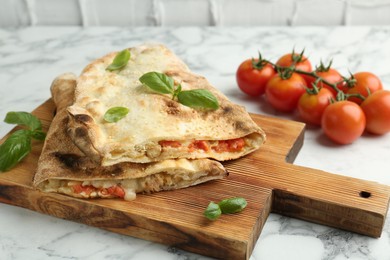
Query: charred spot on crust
x=81 y=132
x=240 y=126
x=69 y=160
x=65 y=130
x=82 y=118
x=172 y=107
x=226 y=110
x=65 y=121
x=112 y=171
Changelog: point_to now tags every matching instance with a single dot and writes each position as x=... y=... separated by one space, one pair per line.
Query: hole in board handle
x=365 y=194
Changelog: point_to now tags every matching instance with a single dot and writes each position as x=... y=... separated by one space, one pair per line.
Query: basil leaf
x=115 y=114
x=120 y=60
x=232 y=205
x=159 y=82
x=38 y=135
x=23 y=118
x=212 y=211
x=14 y=149
x=198 y=98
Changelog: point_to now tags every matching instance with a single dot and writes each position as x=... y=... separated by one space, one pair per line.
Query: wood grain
x=266 y=178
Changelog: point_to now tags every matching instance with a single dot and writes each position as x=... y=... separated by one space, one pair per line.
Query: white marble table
x=30 y=58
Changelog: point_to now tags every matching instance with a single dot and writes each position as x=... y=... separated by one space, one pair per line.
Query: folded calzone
x=156 y=127
x=63 y=168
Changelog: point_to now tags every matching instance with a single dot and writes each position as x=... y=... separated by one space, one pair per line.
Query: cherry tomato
x=252 y=80
x=376 y=107
x=283 y=94
x=364 y=81
x=343 y=121
x=312 y=106
x=300 y=61
x=330 y=75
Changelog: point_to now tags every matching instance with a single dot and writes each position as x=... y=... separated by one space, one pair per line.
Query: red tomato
x=331 y=75
x=283 y=94
x=300 y=61
x=78 y=188
x=376 y=107
x=364 y=81
x=167 y=143
x=343 y=121
x=235 y=145
x=87 y=189
x=199 y=145
x=117 y=191
x=311 y=106
x=252 y=80
x=232 y=145
x=297 y=59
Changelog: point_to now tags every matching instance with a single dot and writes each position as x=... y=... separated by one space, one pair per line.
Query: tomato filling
x=232 y=145
x=198 y=145
x=166 y=143
x=116 y=191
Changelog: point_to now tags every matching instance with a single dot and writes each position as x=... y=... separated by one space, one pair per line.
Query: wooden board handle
x=321 y=197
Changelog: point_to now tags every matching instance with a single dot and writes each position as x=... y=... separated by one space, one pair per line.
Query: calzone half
x=63 y=168
x=156 y=127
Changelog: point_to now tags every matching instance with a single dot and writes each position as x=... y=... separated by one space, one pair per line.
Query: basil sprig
x=195 y=98
x=226 y=206
x=23 y=118
x=232 y=205
x=18 y=144
x=159 y=82
x=115 y=114
x=213 y=211
x=120 y=60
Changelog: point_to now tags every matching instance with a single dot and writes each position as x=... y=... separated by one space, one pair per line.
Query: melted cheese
x=155 y=182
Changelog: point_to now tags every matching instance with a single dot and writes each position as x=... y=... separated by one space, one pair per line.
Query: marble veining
x=30 y=58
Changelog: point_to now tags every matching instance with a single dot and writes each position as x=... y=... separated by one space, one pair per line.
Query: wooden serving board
x=266 y=179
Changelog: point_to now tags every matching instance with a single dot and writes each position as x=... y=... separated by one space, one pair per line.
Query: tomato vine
x=290 y=84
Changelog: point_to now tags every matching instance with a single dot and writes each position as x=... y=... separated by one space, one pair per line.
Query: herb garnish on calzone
x=63 y=168
x=156 y=127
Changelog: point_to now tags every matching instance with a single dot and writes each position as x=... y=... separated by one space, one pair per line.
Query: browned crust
x=230 y=121
x=83 y=132
x=62 y=160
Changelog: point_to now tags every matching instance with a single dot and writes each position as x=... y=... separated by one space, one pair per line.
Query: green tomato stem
x=285 y=75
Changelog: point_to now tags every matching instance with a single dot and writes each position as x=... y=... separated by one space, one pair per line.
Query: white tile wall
x=255 y=12
x=13 y=13
x=369 y=11
x=179 y=12
x=193 y=12
x=320 y=12
x=116 y=13
x=55 y=12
